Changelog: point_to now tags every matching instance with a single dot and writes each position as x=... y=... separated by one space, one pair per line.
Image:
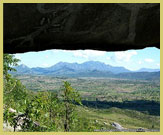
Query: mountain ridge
x=87 y=69
x=147 y=70
x=89 y=65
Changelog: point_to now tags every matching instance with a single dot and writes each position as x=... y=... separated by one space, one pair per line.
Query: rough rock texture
x=108 y=26
x=117 y=126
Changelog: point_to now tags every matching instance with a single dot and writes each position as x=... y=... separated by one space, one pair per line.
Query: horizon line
x=85 y=62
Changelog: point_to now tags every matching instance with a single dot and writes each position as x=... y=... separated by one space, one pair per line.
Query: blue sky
x=131 y=59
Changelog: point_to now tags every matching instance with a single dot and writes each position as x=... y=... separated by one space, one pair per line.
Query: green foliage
x=8 y=62
x=70 y=97
x=40 y=111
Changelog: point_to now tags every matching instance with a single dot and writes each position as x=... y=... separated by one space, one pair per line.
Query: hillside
x=132 y=103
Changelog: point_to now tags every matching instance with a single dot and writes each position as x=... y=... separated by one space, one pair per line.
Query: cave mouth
x=78 y=43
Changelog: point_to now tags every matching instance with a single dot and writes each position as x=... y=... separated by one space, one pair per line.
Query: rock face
x=117 y=126
x=107 y=26
x=20 y=119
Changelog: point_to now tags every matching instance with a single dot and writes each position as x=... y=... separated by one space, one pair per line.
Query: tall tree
x=70 y=97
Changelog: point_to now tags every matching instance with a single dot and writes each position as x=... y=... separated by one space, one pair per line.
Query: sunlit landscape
x=101 y=96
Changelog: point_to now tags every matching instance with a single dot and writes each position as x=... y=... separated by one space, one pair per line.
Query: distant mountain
x=148 y=70
x=39 y=70
x=140 y=75
x=88 y=69
x=23 y=69
x=88 y=66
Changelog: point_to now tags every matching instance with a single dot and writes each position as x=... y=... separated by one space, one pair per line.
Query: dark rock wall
x=107 y=26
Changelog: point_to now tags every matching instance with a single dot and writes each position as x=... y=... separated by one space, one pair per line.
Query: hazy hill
x=148 y=70
x=89 y=69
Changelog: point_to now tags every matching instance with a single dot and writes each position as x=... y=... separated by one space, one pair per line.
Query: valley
x=133 y=103
x=91 y=96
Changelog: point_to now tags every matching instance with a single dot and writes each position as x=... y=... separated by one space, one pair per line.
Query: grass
x=127 y=118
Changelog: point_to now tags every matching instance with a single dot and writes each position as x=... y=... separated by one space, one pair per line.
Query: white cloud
x=158 y=64
x=45 y=65
x=17 y=56
x=124 y=56
x=139 y=62
x=149 y=60
x=108 y=58
x=88 y=54
x=55 y=51
x=80 y=54
x=59 y=50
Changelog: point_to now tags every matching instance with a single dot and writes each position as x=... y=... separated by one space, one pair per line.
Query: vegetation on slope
x=89 y=104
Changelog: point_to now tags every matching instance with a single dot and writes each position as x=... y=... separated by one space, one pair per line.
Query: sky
x=131 y=59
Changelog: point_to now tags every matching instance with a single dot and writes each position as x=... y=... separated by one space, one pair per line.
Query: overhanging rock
x=107 y=26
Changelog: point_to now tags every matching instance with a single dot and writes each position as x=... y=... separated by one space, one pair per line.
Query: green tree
x=38 y=111
x=9 y=61
x=70 y=97
x=11 y=85
x=15 y=94
x=53 y=108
